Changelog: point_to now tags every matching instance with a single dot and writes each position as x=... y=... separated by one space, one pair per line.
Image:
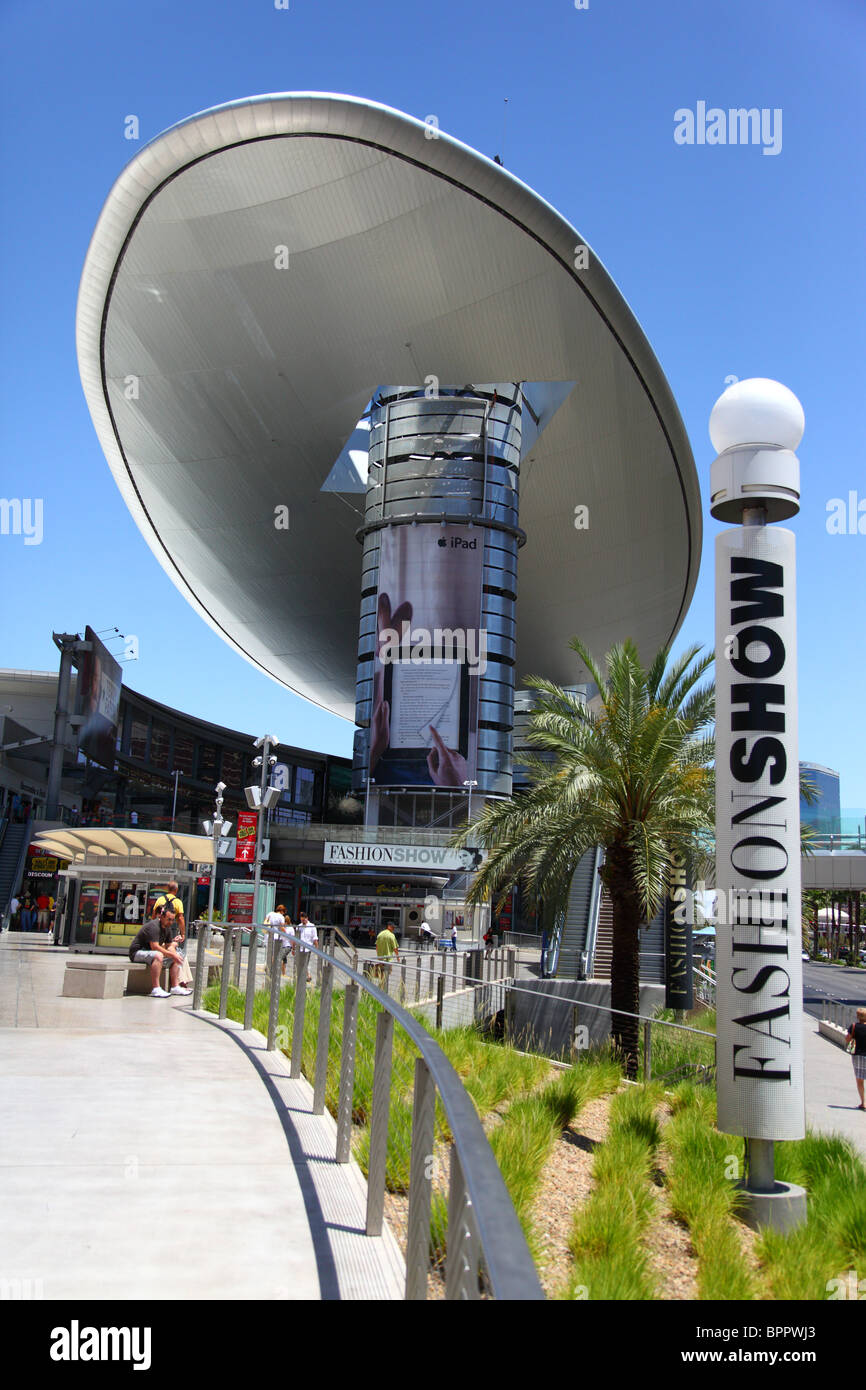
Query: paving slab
x=147 y=1152
x=831 y=1093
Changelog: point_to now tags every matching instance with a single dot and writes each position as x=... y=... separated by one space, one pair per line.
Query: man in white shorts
x=153 y=944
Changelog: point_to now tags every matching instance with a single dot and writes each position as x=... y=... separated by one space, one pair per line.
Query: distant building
x=824 y=815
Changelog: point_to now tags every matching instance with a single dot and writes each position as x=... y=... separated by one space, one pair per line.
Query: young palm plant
x=630 y=772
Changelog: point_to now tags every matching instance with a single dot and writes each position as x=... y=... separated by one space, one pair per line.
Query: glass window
x=387 y=809
x=160 y=745
x=233 y=767
x=208 y=762
x=305 y=786
x=183 y=753
x=138 y=739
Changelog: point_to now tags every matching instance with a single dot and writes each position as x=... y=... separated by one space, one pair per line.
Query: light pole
x=470 y=784
x=176 y=773
x=259 y=799
x=756 y=425
x=216 y=829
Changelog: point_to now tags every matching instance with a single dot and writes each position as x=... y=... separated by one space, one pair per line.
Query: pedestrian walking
x=453 y=936
x=308 y=934
x=386 y=951
x=856 y=1035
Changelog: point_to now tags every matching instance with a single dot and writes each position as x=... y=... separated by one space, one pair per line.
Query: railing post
x=300 y=1006
x=252 y=952
x=440 y=998
x=200 y=953
x=323 y=1039
x=461 y=1264
x=347 y=1072
x=379 y=1123
x=512 y=961
x=403 y=983
x=420 y=1183
x=224 y=973
x=276 y=986
x=510 y=1007
x=239 y=950
x=647 y=1050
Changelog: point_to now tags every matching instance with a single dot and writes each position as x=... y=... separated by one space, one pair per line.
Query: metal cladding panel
x=250 y=376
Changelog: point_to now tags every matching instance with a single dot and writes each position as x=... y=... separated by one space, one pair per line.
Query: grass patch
x=607 y=1238
x=802 y=1264
x=703 y=1195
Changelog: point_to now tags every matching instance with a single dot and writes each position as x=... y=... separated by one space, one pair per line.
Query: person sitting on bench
x=155 y=943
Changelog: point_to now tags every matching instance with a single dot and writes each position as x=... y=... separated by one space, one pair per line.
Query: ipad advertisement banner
x=431 y=651
x=100 y=679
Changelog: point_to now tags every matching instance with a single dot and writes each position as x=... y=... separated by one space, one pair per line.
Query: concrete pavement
x=831 y=1094
x=151 y=1153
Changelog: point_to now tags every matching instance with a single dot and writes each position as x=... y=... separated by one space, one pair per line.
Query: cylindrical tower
x=436 y=651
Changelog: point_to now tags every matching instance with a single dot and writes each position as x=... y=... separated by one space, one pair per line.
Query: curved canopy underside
x=258 y=270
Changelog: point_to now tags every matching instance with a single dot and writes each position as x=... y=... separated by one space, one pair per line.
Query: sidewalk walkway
x=148 y=1152
x=831 y=1093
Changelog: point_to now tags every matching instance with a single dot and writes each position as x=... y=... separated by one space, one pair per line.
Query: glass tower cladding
x=436 y=651
x=824 y=815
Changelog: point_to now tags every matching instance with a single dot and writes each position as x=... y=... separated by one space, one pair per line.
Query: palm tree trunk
x=625 y=963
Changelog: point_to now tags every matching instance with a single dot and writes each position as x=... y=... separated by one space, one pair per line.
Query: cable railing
x=564 y=1029
x=485 y=1251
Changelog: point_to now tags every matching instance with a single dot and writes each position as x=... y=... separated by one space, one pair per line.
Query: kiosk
x=114 y=878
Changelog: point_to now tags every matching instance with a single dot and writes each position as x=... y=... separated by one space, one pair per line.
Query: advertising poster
x=245 y=849
x=431 y=651
x=100 y=679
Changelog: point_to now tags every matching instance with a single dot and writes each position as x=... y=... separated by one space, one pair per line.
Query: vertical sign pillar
x=756 y=425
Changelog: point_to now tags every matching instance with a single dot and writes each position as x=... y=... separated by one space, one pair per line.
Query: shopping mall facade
x=163 y=774
x=384 y=418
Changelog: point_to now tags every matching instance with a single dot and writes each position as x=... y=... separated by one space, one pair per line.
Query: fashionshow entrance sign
x=758 y=962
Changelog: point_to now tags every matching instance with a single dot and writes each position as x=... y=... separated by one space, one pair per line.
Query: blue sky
x=735 y=262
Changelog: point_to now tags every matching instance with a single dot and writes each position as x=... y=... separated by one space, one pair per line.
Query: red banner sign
x=245 y=850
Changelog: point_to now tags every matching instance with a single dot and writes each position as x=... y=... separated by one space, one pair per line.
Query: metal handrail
x=478 y=1190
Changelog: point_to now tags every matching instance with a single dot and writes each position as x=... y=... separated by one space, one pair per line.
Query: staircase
x=13 y=847
x=578 y=915
x=652 y=946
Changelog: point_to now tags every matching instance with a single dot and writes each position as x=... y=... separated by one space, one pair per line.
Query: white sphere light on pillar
x=756 y=425
x=755 y=481
x=757 y=411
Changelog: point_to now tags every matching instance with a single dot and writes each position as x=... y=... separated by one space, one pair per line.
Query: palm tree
x=633 y=776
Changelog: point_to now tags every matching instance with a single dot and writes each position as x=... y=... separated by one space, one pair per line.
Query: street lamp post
x=262 y=798
x=756 y=425
x=216 y=829
x=470 y=783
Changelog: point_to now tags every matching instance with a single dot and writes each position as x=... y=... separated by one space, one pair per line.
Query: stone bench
x=106 y=977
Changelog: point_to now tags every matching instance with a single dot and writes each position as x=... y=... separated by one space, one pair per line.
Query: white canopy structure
x=258 y=270
x=157 y=847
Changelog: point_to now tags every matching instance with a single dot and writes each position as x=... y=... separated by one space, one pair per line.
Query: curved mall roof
x=223 y=387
